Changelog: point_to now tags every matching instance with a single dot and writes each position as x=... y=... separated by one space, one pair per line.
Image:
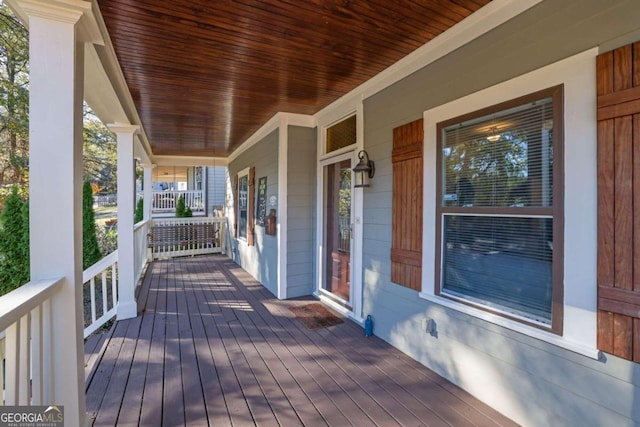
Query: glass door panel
x=337 y=229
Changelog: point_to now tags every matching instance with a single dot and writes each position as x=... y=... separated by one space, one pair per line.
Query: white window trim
x=577 y=73
x=244 y=172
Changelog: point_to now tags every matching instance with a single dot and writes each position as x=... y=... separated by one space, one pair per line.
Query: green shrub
x=139 y=212
x=14 y=243
x=90 y=249
x=181 y=208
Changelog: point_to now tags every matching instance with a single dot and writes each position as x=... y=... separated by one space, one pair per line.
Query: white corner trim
x=513 y=325
x=281 y=230
x=271 y=125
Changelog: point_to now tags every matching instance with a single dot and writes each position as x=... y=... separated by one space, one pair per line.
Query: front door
x=337 y=231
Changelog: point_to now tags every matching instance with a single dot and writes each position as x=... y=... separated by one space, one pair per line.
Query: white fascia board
x=189 y=161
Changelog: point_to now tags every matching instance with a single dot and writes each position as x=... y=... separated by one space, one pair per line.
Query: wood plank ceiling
x=205 y=75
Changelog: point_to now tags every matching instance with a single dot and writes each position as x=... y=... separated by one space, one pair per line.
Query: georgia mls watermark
x=31 y=416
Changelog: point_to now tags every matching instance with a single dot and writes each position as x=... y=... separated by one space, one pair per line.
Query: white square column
x=127 y=306
x=147 y=190
x=56 y=56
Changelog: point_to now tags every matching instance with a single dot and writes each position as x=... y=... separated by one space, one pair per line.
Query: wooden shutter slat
x=250 y=202
x=623 y=203
x=622 y=71
x=622 y=336
x=617 y=110
x=636 y=202
x=605 y=203
x=613 y=98
x=618 y=87
x=406 y=249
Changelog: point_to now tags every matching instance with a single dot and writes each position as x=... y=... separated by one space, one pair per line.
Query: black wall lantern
x=364 y=170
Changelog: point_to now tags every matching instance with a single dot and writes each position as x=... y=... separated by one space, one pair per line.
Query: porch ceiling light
x=494 y=135
x=364 y=170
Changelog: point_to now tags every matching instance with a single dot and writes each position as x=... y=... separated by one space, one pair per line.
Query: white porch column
x=56 y=56
x=148 y=190
x=127 y=307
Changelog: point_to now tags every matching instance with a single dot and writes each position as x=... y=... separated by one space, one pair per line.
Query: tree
x=139 y=212
x=14 y=100
x=99 y=153
x=180 y=207
x=14 y=243
x=90 y=250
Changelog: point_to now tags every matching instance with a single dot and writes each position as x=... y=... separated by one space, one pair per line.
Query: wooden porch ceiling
x=205 y=75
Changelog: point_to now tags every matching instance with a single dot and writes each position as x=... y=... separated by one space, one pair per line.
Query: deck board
x=212 y=347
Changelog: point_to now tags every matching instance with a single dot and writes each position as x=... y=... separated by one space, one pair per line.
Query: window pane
x=243 y=186
x=500 y=160
x=341 y=134
x=500 y=262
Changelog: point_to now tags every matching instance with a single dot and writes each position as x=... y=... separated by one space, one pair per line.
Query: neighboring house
x=202 y=188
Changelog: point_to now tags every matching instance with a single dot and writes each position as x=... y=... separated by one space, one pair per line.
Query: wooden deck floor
x=213 y=347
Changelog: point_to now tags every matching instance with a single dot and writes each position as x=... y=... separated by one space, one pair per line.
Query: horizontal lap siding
x=618 y=89
x=301 y=183
x=258 y=259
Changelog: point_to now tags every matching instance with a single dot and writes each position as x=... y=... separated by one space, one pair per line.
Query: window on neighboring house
x=243 y=204
x=499 y=209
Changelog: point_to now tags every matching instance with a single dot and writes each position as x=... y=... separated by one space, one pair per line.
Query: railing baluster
x=47 y=346
x=11 y=364
x=92 y=290
x=114 y=284
x=37 y=357
x=25 y=360
x=104 y=292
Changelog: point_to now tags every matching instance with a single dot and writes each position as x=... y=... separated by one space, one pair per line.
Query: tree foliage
x=90 y=249
x=100 y=153
x=14 y=242
x=139 y=212
x=14 y=100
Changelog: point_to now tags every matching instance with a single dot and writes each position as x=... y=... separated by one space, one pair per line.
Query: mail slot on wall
x=270 y=223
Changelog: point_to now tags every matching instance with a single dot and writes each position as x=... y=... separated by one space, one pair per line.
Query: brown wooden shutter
x=250 y=202
x=406 y=248
x=618 y=89
x=235 y=206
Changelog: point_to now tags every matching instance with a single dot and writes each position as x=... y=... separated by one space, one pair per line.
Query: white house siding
x=301 y=187
x=261 y=259
x=216 y=178
x=532 y=381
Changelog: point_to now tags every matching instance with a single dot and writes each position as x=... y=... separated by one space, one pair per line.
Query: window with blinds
x=500 y=209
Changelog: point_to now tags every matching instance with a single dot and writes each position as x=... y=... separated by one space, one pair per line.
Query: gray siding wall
x=216 y=181
x=532 y=381
x=260 y=260
x=301 y=211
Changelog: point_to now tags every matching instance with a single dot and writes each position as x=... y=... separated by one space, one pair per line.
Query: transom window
x=340 y=135
x=500 y=209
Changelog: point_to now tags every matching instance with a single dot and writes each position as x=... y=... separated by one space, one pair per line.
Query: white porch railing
x=25 y=319
x=166 y=201
x=141 y=250
x=173 y=237
x=100 y=281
